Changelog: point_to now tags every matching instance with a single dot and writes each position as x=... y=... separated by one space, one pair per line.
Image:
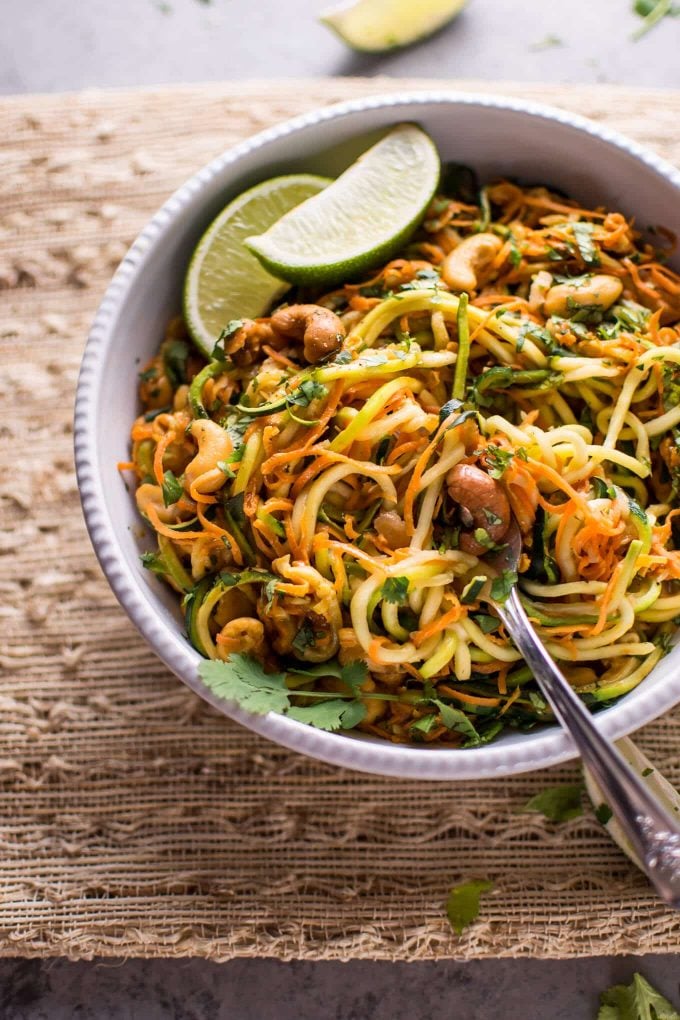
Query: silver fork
x=654 y=834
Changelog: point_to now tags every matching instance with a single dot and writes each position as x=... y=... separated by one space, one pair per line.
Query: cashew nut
x=214 y=444
x=392 y=528
x=244 y=635
x=320 y=329
x=462 y=267
x=483 y=505
x=566 y=298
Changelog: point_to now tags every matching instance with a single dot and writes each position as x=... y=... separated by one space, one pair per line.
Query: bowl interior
x=495 y=139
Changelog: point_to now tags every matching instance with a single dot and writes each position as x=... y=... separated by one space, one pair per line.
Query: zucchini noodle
x=339 y=507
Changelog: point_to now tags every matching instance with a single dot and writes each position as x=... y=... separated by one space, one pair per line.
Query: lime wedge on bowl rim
x=224 y=281
x=374 y=26
x=360 y=219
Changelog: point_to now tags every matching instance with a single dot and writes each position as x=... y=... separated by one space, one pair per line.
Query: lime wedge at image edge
x=224 y=280
x=361 y=219
x=375 y=26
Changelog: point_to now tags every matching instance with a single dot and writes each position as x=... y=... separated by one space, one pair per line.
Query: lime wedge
x=378 y=25
x=360 y=219
x=224 y=281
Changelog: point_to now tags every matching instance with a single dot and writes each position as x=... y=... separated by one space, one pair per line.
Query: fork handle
x=654 y=834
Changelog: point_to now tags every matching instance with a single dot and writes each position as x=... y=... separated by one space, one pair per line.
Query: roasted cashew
x=392 y=528
x=244 y=635
x=483 y=505
x=566 y=298
x=320 y=329
x=214 y=444
x=462 y=266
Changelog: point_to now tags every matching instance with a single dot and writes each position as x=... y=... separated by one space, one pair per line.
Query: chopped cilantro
x=486 y=623
x=583 y=232
x=395 y=589
x=503 y=585
x=175 y=357
x=172 y=488
x=557 y=804
x=305 y=393
x=497 y=460
x=462 y=905
x=646 y=772
x=147 y=374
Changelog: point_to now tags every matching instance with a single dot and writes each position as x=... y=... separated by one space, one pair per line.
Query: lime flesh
x=375 y=26
x=360 y=219
x=224 y=280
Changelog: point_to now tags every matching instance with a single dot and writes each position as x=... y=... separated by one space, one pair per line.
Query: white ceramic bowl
x=494 y=135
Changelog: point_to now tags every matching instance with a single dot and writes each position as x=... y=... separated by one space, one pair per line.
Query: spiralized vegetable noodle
x=326 y=489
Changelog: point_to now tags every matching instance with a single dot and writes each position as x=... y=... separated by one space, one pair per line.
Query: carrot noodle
x=346 y=504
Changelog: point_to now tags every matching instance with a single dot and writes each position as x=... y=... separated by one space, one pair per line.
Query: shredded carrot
x=161 y=446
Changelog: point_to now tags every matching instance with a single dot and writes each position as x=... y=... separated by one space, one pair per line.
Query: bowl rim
x=542 y=748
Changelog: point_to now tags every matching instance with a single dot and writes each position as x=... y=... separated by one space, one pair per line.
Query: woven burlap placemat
x=134 y=820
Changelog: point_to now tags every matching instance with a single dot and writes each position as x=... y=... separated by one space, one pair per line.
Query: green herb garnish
x=462 y=905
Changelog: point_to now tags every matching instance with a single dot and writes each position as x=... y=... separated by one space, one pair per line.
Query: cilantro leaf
x=497 y=460
x=335 y=714
x=354 y=674
x=462 y=905
x=486 y=623
x=583 y=232
x=636 y=1001
x=243 y=680
x=306 y=392
x=175 y=357
x=557 y=804
x=503 y=585
x=455 y=719
x=172 y=488
x=395 y=589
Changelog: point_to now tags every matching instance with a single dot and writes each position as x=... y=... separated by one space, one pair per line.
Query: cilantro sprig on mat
x=636 y=1001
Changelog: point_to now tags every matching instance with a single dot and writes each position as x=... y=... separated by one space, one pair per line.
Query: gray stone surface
x=57 y=44
x=53 y=44
x=270 y=990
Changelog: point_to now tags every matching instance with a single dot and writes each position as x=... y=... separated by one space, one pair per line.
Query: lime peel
x=224 y=280
x=361 y=219
x=376 y=26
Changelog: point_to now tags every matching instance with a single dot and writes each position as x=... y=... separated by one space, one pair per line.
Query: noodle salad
x=324 y=490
